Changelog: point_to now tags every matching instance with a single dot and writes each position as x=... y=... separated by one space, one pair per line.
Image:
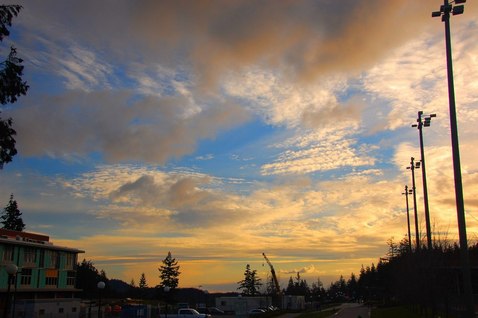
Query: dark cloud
x=305 y=38
x=150 y=129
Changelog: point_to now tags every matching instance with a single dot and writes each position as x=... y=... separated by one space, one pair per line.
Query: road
x=352 y=310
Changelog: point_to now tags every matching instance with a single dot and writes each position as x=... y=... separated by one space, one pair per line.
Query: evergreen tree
x=142 y=281
x=317 y=290
x=290 y=286
x=87 y=278
x=133 y=283
x=12 y=217
x=251 y=283
x=11 y=85
x=169 y=272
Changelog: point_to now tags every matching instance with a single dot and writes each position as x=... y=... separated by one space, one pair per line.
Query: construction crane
x=274 y=277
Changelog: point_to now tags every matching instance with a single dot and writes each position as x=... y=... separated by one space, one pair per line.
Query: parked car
x=213 y=311
x=186 y=313
x=257 y=311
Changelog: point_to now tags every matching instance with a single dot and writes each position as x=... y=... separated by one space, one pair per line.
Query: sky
x=219 y=130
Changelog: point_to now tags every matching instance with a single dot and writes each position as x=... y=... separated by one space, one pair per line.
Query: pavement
x=352 y=310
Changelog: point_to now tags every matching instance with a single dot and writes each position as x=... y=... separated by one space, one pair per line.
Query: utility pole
x=424 y=121
x=406 y=193
x=412 y=167
x=444 y=13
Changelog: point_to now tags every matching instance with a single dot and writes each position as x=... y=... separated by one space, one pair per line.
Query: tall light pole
x=11 y=270
x=424 y=121
x=166 y=290
x=406 y=193
x=414 y=165
x=445 y=10
x=101 y=285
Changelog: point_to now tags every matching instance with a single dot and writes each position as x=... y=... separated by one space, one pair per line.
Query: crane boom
x=273 y=272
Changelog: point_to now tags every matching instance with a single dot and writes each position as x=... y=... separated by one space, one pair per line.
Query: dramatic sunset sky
x=219 y=130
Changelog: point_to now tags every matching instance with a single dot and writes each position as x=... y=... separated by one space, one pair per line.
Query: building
x=44 y=285
x=241 y=305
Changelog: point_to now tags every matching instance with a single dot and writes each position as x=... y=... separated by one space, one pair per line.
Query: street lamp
x=11 y=270
x=166 y=290
x=424 y=121
x=101 y=285
x=415 y=165
x=406 y=193
x=455 y=8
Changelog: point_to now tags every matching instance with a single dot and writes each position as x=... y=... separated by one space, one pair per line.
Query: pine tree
x=169 y=272
x=12 y=217
x=142 y=281
x=251 y=283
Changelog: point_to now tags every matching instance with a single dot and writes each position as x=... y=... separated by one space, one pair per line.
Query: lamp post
x=11 y=270
x=166 y=291
x=456 y=8
x=424 y=121
x=414 y=165
x=406 y=193
x=101 y=285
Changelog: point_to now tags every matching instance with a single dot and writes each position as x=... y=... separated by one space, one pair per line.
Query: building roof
x=32 y=239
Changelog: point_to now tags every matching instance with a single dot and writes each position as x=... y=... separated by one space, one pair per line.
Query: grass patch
x=394 y=312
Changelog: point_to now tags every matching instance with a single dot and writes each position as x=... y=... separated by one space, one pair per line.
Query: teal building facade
x=44 y=285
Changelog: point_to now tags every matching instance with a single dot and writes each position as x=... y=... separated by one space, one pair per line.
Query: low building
x=44 y=285
x=241 y=305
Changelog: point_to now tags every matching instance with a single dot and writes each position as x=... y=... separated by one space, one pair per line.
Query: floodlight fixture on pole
x=445 y=10
x=101 y=285
x=407 y=193
x=415 y=165
x=11 y=270
x=424 y=121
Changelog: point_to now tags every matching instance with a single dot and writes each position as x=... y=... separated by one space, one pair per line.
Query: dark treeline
x=430 y=281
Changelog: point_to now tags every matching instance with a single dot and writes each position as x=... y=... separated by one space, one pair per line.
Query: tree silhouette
x=87 y=277
x=251 y=283
x=11 y=85
x=169 y=272
x=142 y=281
x=12 y=217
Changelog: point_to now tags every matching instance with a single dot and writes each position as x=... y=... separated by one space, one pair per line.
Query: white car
x=257 y=311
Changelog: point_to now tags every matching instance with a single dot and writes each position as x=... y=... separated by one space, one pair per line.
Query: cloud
x=328 y=149
x=304 y=270
x=123 y=128
x=211 y=38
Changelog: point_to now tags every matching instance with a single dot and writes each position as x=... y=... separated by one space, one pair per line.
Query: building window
x=70 y=260
x=51 y=281
x=29 y=255
x=8 y=253
x=26 y=279
x=52 y=257
x=51 y=278
x=70 y=278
